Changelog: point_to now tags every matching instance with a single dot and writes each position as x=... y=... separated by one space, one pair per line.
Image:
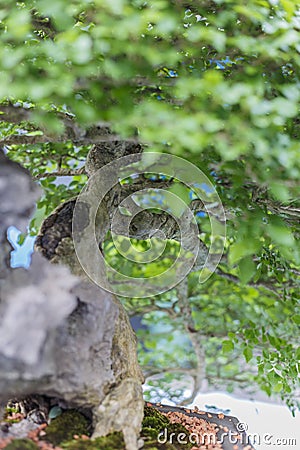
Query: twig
x=150 y=371
x=236 y=280
x=61 y=173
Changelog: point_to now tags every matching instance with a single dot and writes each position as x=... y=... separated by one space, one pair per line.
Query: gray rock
x=18 y=194
x=18 y=430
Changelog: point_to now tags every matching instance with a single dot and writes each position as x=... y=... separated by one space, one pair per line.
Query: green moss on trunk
x=22 y=444
x=113 y=441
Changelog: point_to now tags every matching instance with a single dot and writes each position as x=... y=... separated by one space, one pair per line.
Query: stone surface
x=18 y=430
x=18 y=194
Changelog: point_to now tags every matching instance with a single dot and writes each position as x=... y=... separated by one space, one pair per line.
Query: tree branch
x=72 y=131
x=236 y=280
x=150 y=371
x=61 y=173
x=151 y=308
x=195 y=337
x=288 y=210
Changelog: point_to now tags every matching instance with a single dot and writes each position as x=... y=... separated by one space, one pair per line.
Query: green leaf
x=277 y=387
x=38 y=218
x=233 y=337
x=227 y=346
x=247 y=269
x=280 y=191
x=124 y=211
x=281 y=235
x=21 y=238
x=182 y=192
x=248 y=353
x=296 y=319
x=242 y=248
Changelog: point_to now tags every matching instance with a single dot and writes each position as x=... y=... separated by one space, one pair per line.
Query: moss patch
x=155 y=423
x=63 y=427
x=113 y=441
x=21 y=444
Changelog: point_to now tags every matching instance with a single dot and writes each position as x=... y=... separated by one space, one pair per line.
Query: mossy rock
x=22 y=444
x=113 y=441
x=63 y=427
x=60 y=432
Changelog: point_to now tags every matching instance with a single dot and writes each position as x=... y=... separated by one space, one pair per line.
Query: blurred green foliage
x=216 y=82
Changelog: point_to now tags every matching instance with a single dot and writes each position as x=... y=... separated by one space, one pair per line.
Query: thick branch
x=195 y=337
x=72 y=130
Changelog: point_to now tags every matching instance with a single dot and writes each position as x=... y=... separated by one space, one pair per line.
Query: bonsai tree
x=94 y=95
